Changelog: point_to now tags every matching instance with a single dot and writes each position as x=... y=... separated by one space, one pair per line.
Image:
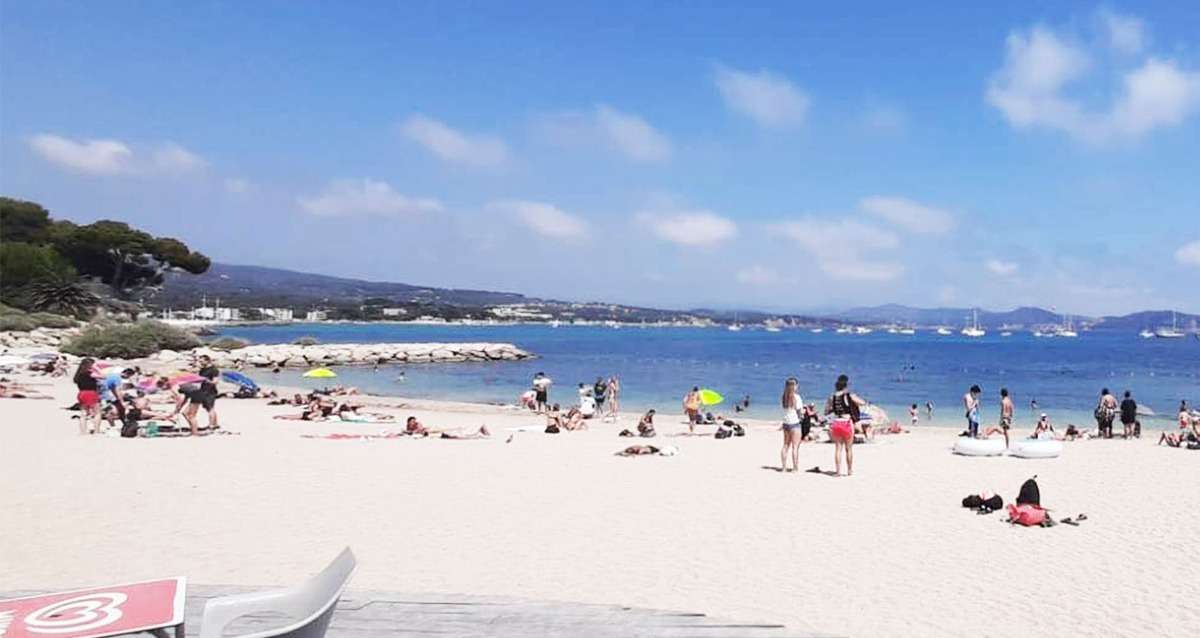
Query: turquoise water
x=657 y=365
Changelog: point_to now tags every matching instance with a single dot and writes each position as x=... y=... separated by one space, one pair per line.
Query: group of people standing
x=843 y=407
x=110 y=394
x=1106 y=413
x=599 y=399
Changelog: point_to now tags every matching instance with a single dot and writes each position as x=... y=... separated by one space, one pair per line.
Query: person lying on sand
x=16 y=391
x=348 y=412
x=638 y=450
x=413 y=427
x=574 y=420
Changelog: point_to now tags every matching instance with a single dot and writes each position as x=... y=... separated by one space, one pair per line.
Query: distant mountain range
x=256 y=286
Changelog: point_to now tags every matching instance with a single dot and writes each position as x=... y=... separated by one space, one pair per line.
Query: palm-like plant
x=62 y=295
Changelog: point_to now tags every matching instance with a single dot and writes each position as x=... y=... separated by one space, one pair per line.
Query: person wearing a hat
x=1044 y=429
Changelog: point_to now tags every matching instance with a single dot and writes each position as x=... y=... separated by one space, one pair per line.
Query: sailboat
x=735 y=326
x=817 y=331
x=1146 y=333
x=974 y=330
x=1169 y=333
x=1066 y=329
x=908 y=331
x=944 y=331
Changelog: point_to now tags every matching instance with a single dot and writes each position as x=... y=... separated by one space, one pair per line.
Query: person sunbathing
x=413 y=427
x=16 y=391
x=638 y=450
x=349 y=412
x=574 y=420
x=317 y=410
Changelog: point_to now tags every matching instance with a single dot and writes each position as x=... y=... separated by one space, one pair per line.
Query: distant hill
x=1149 y=319
x=896 y=313
x=270 y=287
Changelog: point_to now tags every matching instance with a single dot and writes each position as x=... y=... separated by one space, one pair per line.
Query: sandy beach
x=715 y=529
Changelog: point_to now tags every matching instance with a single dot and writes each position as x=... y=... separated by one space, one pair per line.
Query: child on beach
x=913 y=414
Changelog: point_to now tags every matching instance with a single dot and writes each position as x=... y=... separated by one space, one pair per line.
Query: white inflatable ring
x=979 y=447
x=1036 y=448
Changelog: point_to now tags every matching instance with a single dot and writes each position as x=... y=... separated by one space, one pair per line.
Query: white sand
x=886 y=552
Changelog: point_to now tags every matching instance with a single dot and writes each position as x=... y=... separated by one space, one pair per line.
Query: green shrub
x=48 y=320
x=129 y=341
x=17 y=323
x=228 y=343
x=305 y=341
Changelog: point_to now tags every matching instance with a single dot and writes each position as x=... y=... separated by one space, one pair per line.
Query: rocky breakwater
x=40 y=339
x=298 y=356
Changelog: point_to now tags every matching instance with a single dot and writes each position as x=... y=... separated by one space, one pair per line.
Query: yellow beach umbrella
x=320 y=373
x=710 y=397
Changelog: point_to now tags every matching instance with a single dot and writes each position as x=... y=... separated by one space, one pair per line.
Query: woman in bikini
x=844 y=406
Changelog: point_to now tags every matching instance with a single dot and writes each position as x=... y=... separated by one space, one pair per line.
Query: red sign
x=94 y=613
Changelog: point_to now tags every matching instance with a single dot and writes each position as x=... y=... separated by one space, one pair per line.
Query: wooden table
x=150 y=606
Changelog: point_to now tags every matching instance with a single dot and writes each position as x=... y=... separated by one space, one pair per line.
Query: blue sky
x=777 y=156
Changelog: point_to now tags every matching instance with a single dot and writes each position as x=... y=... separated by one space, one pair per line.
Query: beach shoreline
x=558 y=517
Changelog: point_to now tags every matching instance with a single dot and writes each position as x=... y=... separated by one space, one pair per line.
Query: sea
x=1062 y=377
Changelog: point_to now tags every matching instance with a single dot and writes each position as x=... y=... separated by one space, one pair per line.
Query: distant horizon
x=815 y=312
x=670 y=156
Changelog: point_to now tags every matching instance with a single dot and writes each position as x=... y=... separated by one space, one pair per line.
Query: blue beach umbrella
x=240 y=379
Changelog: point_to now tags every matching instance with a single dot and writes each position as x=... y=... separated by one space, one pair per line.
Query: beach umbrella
x=710 y=397
x=240 y=379
x=320 y=373
x=186 y=378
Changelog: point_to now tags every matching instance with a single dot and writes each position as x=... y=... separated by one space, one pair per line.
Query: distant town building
x=394 y=312
x=316 y=315
x=277 y=314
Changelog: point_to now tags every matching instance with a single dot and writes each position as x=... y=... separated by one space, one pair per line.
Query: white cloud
x=885 y=119
x=451 y=145
x=757 y=275
x=173 y=158
x=542 y=218
x=846 y=249
x=1189 y=254
x=1002 y=268
x=1029 y=90
x=1126 y=34
x=347 y=197
x=689 y=227
x=236 y=185
x=608 y=128
x=768 y=99
x=632 y=136
x=908 y=214
x=114 y=157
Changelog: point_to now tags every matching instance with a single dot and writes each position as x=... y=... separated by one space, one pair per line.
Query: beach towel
x=1027 y=515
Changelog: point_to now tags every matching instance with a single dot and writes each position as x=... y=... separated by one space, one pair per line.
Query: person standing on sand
x=691 y=408
x=614 y=397
x=844 y=406
x=1006 y=413
x=791 y=404
x=541 y=390
x=971 y=406
x=599 y=390
x=1106 y=413
x=1128 y=415
x=88 y=397
x=913 y=415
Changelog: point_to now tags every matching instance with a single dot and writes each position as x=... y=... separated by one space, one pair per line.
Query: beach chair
x=309 y=606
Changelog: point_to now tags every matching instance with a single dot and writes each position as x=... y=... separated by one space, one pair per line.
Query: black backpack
x=1030 y=494
x=723 y=433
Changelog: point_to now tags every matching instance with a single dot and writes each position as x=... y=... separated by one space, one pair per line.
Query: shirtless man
x=1006 y=417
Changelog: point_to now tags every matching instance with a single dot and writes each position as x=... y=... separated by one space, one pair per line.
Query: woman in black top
x=843 y=405
x=88 y=397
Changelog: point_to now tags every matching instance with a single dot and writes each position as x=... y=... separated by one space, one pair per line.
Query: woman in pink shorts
x=843 y=405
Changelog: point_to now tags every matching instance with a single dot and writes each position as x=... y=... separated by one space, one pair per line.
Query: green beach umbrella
x=710 y=397
x=320 y=373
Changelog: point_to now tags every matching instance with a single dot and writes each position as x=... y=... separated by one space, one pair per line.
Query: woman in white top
x=791 y=403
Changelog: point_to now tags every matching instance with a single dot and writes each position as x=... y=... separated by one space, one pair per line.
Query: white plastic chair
x=310 y=604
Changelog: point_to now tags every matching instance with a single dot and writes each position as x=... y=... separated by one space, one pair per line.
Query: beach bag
x=552 y=429
x=129 y=429
x=973 y=501
x=723 y=433
x=1030 y=494
x=1027 y=515
x=738 y=430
